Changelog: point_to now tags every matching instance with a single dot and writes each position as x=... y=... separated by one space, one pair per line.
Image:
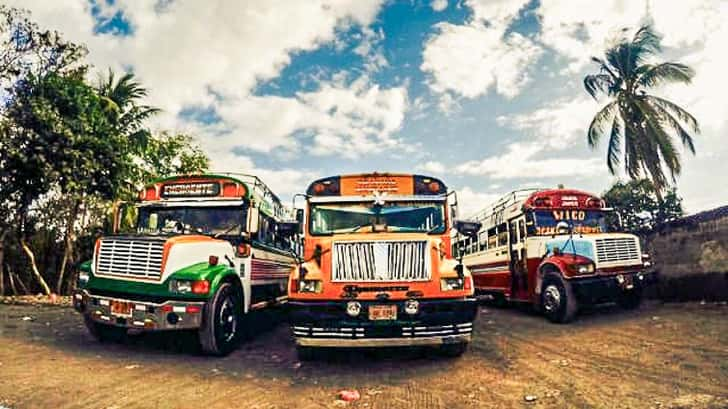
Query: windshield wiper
x=356 y=228
x=438 y=227
x=228 y=230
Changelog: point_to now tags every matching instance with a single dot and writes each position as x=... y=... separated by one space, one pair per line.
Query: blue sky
x=485 y=94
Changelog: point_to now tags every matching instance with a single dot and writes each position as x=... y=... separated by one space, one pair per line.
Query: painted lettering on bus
x=560 y=215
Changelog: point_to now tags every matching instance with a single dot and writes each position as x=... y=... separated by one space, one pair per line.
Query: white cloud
x=530 y=160
x=471 y=201
x=370 y=50
x=192 y=53
x=438 y=5
x=471 y=59
x=559 y=124
x=432 y=167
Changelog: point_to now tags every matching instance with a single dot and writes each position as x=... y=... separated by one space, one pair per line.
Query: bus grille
x=618 y=249
x=374 y=261
x=130 y=258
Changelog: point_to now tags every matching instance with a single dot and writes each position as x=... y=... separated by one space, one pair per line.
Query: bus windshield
x=330 y=218
x=221 y=220
x=583 y=221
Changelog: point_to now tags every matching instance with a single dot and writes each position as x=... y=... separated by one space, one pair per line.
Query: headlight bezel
x=452 y=284
x=310 y=286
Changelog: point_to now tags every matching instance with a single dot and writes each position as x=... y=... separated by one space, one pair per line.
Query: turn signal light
x=243 y=250
x=200 y=287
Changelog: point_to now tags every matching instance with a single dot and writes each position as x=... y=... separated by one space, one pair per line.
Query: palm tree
x=640 y=125
x=122 y=98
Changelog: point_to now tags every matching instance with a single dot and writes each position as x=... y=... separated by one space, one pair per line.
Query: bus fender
x=549 y=265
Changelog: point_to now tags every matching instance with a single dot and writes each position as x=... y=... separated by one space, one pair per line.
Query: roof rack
x=259 y=190
x=503 y=202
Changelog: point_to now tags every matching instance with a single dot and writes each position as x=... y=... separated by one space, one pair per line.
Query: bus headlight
x=310 y=286
x=585 y=268
x=353 y=308
x=83 y=278
x=411 y=307
x=451 y=284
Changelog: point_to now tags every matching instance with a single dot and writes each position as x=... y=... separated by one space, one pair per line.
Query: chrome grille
x=130 y=258
x=617 y=249
x=373 y=261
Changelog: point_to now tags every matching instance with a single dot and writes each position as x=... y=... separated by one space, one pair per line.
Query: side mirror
x=253 y=219
x=300 y=220
x=467 y=228
x=563 y=227
x=288 y=229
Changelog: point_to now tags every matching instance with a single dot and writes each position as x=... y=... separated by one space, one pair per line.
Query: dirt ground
x=661 y=356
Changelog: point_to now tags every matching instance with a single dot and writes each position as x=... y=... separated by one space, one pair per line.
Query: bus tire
x=558 y=302
x=221 y=326
x=453 y=350
x=630 y=299
x=305 y=353
x=104 y=333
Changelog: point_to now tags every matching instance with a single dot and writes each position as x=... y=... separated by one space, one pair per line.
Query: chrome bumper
x=381 y=342
x=169 y=315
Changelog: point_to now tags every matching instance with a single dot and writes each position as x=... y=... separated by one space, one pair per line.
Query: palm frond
x=685 y=137
x=596 y=127
x=597 y=82
x=646 y=41
x=614 y=149
x=666 y=72
x=657 y=136
x=681 y=113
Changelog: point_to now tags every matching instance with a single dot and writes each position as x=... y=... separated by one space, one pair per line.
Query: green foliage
x=70 y=150
x=640 y=127
x=640 y=207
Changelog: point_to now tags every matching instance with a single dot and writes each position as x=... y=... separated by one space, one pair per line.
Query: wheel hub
x=227 y=321
x=551 y=298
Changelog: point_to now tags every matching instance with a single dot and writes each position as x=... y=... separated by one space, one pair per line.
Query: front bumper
x=169 y=315
x=326 y=324
x=608 y=288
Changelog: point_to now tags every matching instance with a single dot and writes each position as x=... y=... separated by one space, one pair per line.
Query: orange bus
x=556 y=249
x=378 y=268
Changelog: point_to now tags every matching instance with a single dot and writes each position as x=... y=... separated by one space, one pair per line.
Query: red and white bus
x=556 y=249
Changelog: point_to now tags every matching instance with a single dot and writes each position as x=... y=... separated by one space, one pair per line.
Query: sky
x=485 y=94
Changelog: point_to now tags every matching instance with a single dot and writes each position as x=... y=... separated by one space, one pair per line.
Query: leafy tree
x=640 y=126
x=640 y=207
x=62 y=139
x=25 y=51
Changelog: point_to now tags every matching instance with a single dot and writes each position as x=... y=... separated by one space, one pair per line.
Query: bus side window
x=522 y=229
x=492 y=238
x=503 y=234
x=514 y=233
x=483 y=240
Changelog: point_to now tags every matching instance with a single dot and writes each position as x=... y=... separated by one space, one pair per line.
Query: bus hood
x=153 y=258
x=606 y=250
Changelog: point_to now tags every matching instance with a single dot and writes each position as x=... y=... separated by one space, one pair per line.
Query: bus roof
x=520 y=200
x=216 y=186
x=367 y=184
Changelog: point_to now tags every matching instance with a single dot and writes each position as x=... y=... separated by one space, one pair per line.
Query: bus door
x=518 y=257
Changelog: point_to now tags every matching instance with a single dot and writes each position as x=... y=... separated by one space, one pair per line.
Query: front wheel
x=305 y=353
x=630 y=299
x=453 y=350
x=103 y=332
x=221 y=325
x=558 y=302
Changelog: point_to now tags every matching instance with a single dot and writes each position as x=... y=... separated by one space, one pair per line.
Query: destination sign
x=371 y=184
x=196 y=189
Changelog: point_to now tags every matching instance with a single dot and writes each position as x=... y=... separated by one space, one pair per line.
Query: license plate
x=121 y=308
x=382 y=312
